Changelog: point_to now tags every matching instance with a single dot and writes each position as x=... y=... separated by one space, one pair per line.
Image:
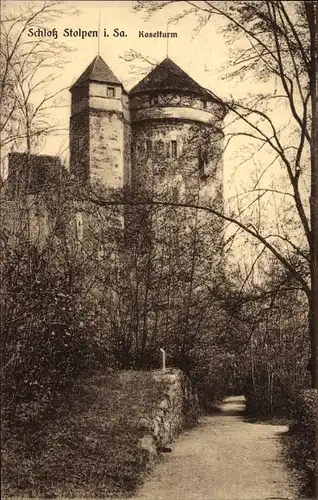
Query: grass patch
x=91 y=449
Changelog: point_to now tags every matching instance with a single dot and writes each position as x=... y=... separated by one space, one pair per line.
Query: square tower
x=100 y=128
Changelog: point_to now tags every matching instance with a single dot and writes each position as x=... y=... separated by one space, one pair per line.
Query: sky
x=202 y=56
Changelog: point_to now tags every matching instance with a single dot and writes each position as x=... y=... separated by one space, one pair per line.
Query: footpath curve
x=226 y=458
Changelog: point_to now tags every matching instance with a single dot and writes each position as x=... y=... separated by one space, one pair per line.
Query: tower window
x=204 y=104
x=100 y=251
x=79 y=143
x=110 y=91
x=79 y=226
x=154 y=99
x=173 y=149
x=161 y=147
x=203 y=164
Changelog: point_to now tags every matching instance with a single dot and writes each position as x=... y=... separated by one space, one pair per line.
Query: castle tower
x=99 y=127
x=176 y=134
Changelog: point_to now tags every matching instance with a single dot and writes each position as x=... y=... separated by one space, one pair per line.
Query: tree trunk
x=312 y=16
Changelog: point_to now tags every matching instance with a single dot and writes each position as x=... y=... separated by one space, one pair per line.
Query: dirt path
x=225 y=458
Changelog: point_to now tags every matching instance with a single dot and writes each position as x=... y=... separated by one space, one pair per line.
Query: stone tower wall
x=176 y=141
x=79 y=145
x=106 y=135
x=100 y=135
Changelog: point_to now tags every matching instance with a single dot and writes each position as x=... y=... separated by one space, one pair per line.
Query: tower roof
x=168 y=76
x=97 y=71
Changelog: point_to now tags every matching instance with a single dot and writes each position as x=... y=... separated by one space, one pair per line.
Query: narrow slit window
x=100 y=251
x=174 y=149
x=203 y=164
x=161 y=147
x=79 y=226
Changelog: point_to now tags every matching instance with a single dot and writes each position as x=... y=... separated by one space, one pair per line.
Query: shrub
x=44 y=341
x=274 y=396
x=301 y=442
x=92 y=446
x=306 y=427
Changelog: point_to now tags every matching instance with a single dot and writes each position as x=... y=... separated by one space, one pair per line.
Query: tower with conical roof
x=100 y=127
x=176 y=134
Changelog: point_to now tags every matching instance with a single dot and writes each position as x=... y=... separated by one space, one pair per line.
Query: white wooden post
x=163 y=359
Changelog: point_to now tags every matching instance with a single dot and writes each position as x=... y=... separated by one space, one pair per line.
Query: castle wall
x=31 y=173
x=80 y=145
x=127 y=138
x=127 y=153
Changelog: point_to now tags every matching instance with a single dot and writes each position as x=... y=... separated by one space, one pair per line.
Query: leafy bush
x=301 y=442
x=273 y=400
x=306 y=427
x=44 y=341
x=91 y=448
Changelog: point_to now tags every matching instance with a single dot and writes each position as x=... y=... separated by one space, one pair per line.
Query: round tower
x=176 y=135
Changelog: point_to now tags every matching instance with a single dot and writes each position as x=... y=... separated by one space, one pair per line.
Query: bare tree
x=28 y=68
x=278 y=46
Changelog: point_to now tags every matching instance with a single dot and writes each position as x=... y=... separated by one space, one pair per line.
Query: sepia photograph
x=159 y=249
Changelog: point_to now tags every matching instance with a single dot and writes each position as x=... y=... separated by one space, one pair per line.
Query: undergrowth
x=300 y=443
x=90 y=448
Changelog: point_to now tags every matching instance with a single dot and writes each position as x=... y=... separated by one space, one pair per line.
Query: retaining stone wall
x=177 y=409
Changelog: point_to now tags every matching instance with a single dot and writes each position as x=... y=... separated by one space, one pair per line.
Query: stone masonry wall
x=178 y=99
x=177 y=409
x=153 y=167
x=107 y=148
